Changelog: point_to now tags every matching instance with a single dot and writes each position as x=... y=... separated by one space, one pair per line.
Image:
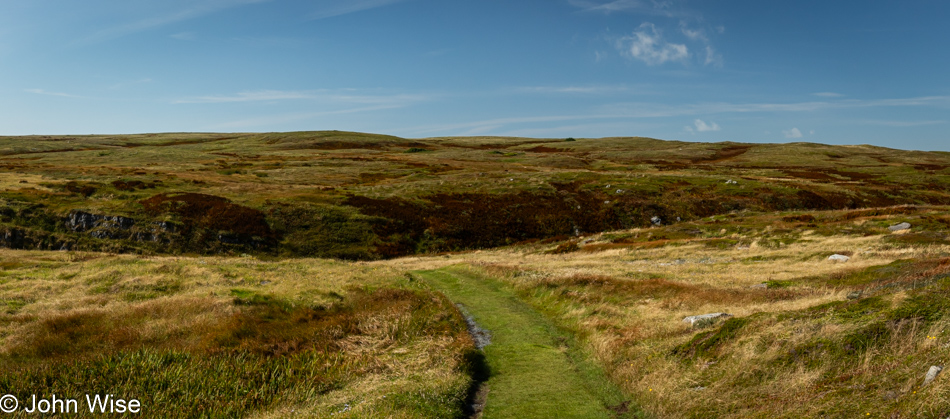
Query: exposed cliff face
x=19 y=238
x=166 y=235
x=100 y=226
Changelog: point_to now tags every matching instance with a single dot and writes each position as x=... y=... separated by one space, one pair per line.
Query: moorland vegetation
x=316 y=274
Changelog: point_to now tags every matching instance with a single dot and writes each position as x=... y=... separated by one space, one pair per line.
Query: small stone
x=899 y=227
x=702 y=318
x=932 y=373
x=839 y=258
x=854 y=295
x=890 y=395
x=656 y=220
x=761 y=286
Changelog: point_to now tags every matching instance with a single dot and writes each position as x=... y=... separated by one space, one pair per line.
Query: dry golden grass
x=797 y=349
x=628 y=303
x=390 y=352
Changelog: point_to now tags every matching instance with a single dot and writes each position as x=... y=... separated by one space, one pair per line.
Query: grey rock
x=703 y=318
x=761 y=286
x=899 y=227
x=854 y=295
x=932 y=373
x=84 y=221
x=656 y=220
x=839 y=258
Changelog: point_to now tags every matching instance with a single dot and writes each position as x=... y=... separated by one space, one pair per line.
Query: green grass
x=534 y=371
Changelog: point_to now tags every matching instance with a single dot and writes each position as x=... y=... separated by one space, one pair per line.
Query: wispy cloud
x=792 y=133
x=343 y=7
x=702 y=126
x=438 y=52
x=183 y=36
x=827 y=94
x=585 y=90
x=647 y=45
x=638 y=109
x=902 y=124
x=646 y=110
x=328 y=96
x=195 y=10
x=292 y=117
x=125 y=84
x=46 y=93
x=652 y=7
x=699 y=35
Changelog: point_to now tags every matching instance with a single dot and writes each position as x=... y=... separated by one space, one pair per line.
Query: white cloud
x=702 y=126
x=647 y=45
x=827 y=94
x=792 y=133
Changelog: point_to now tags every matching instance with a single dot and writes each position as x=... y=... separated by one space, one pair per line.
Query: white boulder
x=692 y=320
x=839 y=258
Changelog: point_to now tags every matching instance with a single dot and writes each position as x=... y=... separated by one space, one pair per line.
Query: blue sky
x=839 y=72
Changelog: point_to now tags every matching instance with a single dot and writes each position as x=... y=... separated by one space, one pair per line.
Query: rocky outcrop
x=100 y=225
x=117 y=227
x=20 y=238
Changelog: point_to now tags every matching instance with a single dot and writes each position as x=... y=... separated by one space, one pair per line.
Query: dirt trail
x=535 y=369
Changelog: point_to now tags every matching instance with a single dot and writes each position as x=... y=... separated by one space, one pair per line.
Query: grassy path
x=534 y=371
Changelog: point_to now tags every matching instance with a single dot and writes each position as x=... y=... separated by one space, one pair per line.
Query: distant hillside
x=365 y=196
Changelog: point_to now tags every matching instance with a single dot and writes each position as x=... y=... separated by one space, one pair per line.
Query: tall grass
x=235 y=337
